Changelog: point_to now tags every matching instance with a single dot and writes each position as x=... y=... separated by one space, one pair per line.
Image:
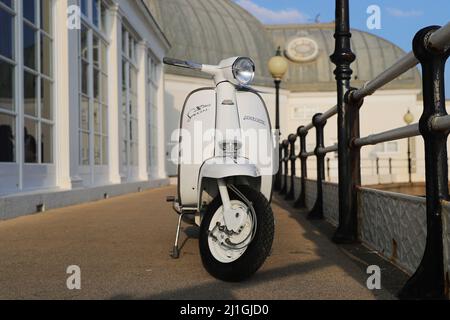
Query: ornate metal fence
x=431 y=48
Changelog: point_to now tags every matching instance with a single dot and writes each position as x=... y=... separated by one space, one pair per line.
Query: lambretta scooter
x=227 y=189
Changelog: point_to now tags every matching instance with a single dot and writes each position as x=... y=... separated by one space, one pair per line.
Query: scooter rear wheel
x=238 y=264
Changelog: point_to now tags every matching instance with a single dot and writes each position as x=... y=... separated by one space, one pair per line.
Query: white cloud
x=269 y=16
x=404 y=13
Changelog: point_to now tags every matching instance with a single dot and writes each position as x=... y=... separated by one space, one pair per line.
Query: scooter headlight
x=244 y=70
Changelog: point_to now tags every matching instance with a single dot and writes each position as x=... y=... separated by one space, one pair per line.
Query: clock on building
x=302 y=49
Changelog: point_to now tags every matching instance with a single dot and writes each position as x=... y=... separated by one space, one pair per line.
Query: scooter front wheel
x=231 y=256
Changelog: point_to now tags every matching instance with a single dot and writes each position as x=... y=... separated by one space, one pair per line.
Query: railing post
x=293 y=158
x=278 y=177
x=378 y=166
x=301 y=200
x=317 y=211
x=277 y=185
x=285 y=146
x=429 y=281
x=328 y=169
x=377 y=161
x=390 y=166
x=409 y=162
x=348 y=129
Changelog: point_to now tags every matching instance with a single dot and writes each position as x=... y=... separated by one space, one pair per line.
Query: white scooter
x=225 y=170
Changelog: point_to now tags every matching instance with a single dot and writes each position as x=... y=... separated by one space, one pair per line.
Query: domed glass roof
x=316 y=41
x=208 y=31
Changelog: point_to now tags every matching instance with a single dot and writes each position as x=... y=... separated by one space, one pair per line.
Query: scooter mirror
x=182 y=63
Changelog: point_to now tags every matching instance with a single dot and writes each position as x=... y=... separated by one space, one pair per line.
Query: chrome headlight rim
x=244 y=76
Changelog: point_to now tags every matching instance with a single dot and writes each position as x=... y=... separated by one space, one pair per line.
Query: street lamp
x=409 y=118
x=278 y=66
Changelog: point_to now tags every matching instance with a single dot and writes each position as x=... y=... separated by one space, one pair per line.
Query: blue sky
x=400 y=19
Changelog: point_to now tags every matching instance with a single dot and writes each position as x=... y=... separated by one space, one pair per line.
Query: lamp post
x=409 y=118
x=278 y=67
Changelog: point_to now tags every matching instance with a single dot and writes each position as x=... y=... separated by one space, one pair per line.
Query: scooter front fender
x=241 y=168
x=220 y=167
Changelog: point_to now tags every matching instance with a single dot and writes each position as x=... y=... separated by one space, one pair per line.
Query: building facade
x=81 y=102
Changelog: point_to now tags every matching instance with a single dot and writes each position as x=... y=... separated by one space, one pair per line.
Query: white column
x=115 y=90
x=73 y=93
x=19 y=95
x=142 y=109
x=62 y=101
x=162 y=139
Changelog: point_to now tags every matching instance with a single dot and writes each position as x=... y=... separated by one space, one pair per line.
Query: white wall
x=382 y=111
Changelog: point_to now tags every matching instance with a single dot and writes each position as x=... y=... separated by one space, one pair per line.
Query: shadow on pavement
x=223 y=290
x=392 y=279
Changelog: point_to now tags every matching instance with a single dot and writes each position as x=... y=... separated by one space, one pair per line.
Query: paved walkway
x=122 y=247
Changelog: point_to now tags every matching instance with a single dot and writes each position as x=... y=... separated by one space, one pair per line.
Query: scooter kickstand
x=176 y=251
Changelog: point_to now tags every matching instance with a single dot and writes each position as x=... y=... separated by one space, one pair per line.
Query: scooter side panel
x=258 y=142
x=196 y=142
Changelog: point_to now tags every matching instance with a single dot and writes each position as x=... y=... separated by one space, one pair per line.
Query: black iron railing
x=431 y=48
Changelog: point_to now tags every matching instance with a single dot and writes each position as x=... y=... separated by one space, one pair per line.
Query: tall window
x=36 y=47
x=152 y=112
x=93 y=64
x=8 y=110
x=38 y=81
x=129 y=100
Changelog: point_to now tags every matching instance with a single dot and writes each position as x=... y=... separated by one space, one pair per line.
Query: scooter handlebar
x=182 y=63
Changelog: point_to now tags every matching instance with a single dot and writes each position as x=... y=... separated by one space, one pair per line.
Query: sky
x=400 y=19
